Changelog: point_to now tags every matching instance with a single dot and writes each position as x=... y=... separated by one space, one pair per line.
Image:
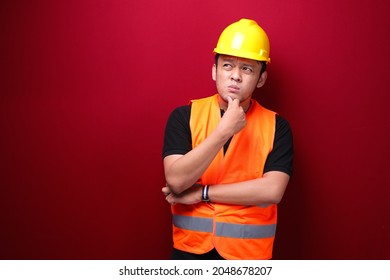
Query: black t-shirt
x=177 y=140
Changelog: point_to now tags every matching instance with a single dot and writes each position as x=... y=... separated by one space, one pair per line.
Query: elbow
x=271 y=200
x=276 y=199
x=277 y=195
x=268 y=199
x=176 y=180
x=175 y=185
x=276 y=183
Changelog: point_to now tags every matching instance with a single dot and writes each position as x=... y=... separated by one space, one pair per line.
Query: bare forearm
x=266 y=190
x=182 y=171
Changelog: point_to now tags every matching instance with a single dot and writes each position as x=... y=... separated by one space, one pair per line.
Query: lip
x=234 y=88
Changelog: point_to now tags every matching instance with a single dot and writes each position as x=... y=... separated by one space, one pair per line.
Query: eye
x=227 y=66
x=247 y=69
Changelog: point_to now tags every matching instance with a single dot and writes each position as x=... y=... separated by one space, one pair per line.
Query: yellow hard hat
x=244 y=38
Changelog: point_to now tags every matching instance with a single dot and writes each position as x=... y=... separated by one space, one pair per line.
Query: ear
x=214 y=72
x=262 y=79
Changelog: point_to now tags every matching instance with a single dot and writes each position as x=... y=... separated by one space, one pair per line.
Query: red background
x=87 y=86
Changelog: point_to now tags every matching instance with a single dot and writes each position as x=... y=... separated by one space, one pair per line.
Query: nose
x=236 y=75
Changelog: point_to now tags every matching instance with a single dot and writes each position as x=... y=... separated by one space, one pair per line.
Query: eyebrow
x=230 y=59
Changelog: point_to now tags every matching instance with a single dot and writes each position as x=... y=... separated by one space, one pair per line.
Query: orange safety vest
x=237 y=232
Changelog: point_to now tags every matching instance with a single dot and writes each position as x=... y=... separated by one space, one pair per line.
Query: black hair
x=263 y=63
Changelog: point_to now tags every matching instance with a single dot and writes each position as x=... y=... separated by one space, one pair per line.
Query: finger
x=166 y=190
x=230 y=100
x=170 y=199
x=233 y=102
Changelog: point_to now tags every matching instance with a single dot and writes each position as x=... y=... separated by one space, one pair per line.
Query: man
x=227 y=159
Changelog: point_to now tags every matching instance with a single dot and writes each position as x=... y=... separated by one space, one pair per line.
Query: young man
x=227 y=159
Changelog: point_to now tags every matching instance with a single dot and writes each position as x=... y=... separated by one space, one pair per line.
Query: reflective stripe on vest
x=245 y=231
x=224 y=229
x=193 y=223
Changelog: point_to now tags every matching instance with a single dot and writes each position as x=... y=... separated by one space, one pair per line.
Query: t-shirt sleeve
x=177 y=136
x=281 y=156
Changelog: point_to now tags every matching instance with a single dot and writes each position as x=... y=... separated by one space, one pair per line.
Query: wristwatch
x=205 y=193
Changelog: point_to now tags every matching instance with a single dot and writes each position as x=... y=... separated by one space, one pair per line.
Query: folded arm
x=268 y=189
